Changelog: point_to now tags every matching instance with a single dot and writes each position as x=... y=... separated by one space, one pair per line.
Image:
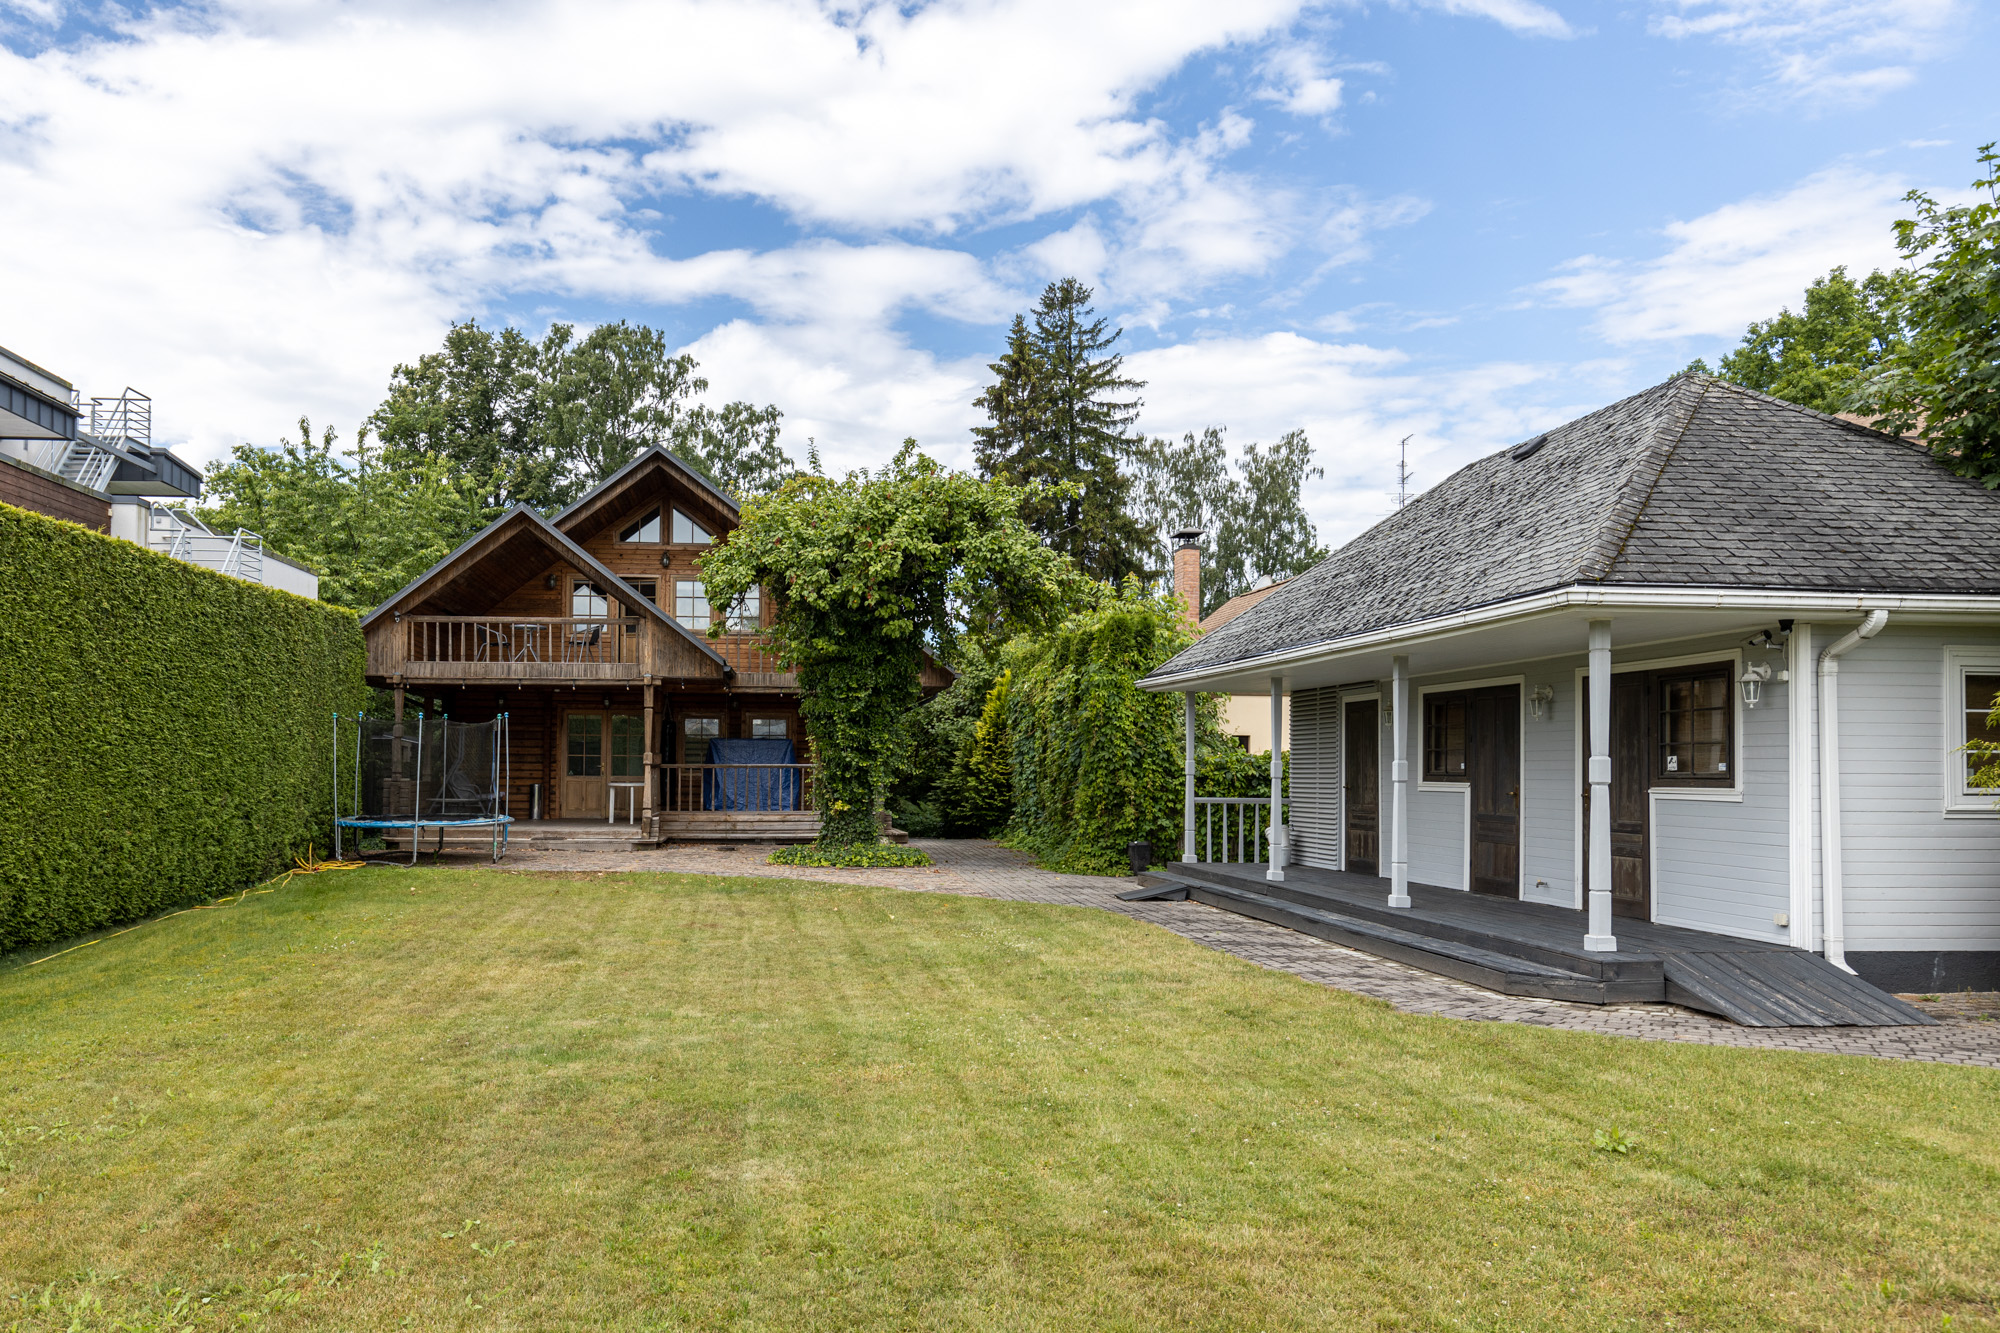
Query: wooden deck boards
x=1535 y=949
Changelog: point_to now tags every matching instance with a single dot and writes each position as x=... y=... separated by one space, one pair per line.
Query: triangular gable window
x=646 y=529
x=687 y=532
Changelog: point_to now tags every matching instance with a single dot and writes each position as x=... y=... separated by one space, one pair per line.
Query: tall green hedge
x=164 y=730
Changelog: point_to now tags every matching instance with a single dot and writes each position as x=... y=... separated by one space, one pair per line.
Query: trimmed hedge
x=164 y=729
x=853 y=854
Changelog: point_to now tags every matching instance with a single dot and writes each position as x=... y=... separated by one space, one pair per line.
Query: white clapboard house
x=1669 y=702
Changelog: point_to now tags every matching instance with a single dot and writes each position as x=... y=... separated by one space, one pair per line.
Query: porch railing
x=747 y=654
x=1239 y=823
x=592 y=640
x=739 y=788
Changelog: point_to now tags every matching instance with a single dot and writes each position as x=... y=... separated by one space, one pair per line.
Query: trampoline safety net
x=438 y=772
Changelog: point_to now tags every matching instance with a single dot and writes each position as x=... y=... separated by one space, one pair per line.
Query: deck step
x=1782 y=989
x=1502 y=972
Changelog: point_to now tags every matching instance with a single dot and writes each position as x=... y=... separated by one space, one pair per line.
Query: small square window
x=770 y=728
x=1696 y=716
x=687 y=532
x=646 y=529
x=1444 y=738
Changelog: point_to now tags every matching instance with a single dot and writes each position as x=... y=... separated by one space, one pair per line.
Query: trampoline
x=438 y=774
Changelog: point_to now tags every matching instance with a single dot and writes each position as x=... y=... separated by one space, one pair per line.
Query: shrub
x=164 y=733
x=1097 y=761
x=852 y=854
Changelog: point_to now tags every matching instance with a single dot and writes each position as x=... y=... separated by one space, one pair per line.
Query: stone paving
x=1968 y=1031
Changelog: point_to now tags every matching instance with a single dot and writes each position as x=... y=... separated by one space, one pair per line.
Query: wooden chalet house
x=590 y=630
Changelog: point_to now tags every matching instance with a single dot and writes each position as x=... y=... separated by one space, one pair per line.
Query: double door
x=599 y=749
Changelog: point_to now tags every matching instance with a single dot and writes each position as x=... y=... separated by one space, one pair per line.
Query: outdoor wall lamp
x=1539 y=701
x=1752 y=680
x=550 y=581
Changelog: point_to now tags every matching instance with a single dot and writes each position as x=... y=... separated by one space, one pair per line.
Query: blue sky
x=1457 y=220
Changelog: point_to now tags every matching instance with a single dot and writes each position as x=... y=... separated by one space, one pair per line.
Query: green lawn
x=519 y=1101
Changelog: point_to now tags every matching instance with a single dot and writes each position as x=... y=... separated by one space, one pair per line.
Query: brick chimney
x=1187 y=571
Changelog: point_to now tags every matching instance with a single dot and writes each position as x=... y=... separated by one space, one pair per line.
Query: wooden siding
x=1916 y=879
x=1316 y=778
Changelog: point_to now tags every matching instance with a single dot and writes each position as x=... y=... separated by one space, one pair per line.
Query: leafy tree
x=1254 y=516
x=1057 y=413
x=544 y=422
x=1943 y=379
x=476 y=405
x=981 y=788
x=863 y=574
x=366 y=526
x=1819 y=356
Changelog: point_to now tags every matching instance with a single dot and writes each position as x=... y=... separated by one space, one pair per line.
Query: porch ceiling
x=478 y=583
x=1493 y=639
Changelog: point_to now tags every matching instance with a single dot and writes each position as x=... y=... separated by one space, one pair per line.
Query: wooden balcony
x=606 y=649
x=733 y=802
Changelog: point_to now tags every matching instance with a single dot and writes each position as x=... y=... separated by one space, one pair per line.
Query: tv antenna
x=1403 y=473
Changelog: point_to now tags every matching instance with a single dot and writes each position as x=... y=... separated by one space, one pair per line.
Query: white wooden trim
x=1798 y=604
x=1960 y=800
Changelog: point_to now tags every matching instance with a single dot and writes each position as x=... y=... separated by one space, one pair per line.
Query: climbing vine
x=863 y=575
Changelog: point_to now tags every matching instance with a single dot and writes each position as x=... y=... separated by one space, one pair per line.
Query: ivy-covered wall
x=164 y=730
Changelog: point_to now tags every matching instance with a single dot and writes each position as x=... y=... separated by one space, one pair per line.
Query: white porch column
x=1799 y=689
x=1280 y=835
x=1399 y=783
x=1187 y=805
x=1600 y=939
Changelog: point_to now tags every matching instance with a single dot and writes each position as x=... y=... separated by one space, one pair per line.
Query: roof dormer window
x=687 y=532
x=645 y=529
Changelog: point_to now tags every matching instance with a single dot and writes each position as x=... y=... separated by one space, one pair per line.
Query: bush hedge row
x=164 y=730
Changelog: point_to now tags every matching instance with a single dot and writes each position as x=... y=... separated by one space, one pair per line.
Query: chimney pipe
x=1187 y=571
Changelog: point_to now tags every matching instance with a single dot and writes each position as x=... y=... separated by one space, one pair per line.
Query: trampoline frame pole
x=336 y=787
x=358 y=717
x=417 y=793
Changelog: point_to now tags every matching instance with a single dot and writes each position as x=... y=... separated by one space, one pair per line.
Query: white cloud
x=1824 y=50
x=1741 y=262
x=1355 y=402
x=1298 y=81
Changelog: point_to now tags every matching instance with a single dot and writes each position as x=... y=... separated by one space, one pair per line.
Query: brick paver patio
x=1968 y=1032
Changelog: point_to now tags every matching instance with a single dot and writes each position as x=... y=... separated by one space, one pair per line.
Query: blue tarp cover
x=751 y=788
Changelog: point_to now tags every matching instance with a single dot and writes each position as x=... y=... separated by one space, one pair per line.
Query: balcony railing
x=522 y=645
x=738 y=788
x=750 y=657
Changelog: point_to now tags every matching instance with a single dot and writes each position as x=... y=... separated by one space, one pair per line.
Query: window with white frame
x=1979 y=691
x=1971 y=688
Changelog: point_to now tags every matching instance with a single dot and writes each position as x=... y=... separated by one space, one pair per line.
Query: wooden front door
x=1631 y=880
x=584 y=745
x=1361 y=740
x=1493 y=763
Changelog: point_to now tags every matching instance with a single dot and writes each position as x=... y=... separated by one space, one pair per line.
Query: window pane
x=586 y=745
x=769 y=728
x=1980 y=695
x=646 y=529
x=691 y=604
x=1444 y=738
x=688 y=532
x=587 y=600
x=696 y=733
x=1695 y=719
x=646 y=588
x=746 y=616
x=628 y=747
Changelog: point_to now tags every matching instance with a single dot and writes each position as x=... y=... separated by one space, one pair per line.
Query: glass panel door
x=583 y=790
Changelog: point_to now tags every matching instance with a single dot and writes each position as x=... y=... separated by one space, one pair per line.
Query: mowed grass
x=515 y=1101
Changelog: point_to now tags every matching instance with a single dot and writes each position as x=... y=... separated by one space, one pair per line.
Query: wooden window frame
x=683 y=516
x=1437 y=755
x=1656 y=682
x=658 y=515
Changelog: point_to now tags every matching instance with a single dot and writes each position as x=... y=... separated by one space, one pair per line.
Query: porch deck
x=1520 y=948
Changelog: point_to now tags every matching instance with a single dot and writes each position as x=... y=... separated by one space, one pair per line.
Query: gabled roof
x=1238 y=604
x=518 y=523
x=1691 y=483
x=608 y=490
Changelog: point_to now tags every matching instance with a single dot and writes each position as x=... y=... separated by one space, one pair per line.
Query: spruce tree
x=1058 y=412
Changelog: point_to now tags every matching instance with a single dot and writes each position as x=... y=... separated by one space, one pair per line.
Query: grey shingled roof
x=1694 y=482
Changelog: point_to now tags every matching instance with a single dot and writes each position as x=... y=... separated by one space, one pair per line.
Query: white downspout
x=1831 y=909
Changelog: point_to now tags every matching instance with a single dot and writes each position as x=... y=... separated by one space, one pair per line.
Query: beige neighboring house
x=1247 y=717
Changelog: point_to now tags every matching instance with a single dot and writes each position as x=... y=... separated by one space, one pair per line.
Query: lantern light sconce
x=1752 y=682
x=1539 y=701
x=550 y=581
